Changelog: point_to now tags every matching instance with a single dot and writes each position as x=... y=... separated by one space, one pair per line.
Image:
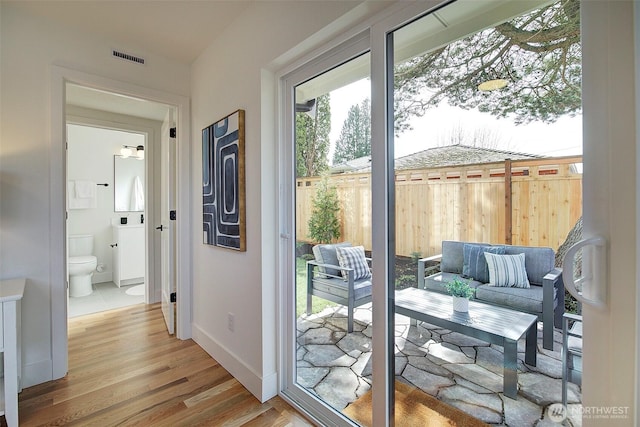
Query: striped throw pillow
x=507 y=270
x=353 y=257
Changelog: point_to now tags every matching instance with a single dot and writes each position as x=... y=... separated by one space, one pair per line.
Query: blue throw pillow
x=475 y=264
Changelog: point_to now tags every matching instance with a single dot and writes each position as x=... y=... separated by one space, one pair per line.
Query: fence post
x=508 y=208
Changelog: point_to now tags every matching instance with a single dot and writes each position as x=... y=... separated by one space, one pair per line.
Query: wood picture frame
x=223 y=183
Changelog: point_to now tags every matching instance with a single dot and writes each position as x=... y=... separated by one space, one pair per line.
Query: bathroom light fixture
x=128 y=150
x=125 y=151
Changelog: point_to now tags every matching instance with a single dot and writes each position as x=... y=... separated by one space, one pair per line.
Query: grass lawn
x=301 y=291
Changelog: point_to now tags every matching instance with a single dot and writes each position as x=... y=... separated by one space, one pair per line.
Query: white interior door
x=166 y=227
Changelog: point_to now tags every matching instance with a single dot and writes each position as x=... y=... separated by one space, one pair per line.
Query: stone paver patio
x=461 y=371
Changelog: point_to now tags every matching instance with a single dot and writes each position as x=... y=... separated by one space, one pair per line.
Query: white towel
x=137 y=195
x=75 y=202
x=85 y=189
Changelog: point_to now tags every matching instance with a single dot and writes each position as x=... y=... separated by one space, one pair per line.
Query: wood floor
x=125 y=370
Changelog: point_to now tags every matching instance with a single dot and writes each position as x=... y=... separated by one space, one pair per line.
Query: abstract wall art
x=223 y=183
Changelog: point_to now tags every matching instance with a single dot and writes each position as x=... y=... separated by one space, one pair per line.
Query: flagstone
x=427 y=382
x=486 y=407
x=544 y=391
x=520 y=411
x=462 y=371
x=328 y=356
x=443 y=352
x=311 y=376
x=339 y=387
x=355 y=344
x=409 y=349
x=477 y=375
x=493 y=360
x=320 y=336
x=427 y=365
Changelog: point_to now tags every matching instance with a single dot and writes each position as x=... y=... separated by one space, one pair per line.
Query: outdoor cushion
x=519 y=299
x=438 y=281
x=452 y=256
x=538 y=260
x=475 y=263
x=507 y=270
x=326 y=254
x=354 y=258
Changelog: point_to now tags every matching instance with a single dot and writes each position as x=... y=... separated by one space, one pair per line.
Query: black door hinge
x=172 y=133
x=172 y=215
x=172 y=297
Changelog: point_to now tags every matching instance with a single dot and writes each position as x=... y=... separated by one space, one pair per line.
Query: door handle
x=593 y=272
x=160 y=228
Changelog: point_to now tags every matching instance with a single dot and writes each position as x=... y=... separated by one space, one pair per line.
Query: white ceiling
x=176 y=29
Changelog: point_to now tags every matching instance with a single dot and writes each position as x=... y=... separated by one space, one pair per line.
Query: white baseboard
x=263 y=388
x=37 y=373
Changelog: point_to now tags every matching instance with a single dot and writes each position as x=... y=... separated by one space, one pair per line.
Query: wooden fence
x=520 y=202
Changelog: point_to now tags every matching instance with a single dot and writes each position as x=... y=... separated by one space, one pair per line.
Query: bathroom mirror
x=129 y=185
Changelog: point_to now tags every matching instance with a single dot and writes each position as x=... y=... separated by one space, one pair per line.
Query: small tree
x=324 y=226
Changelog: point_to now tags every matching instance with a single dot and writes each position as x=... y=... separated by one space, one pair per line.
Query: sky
x=561 y=138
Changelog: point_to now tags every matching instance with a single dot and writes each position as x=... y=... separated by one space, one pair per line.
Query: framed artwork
x=223 y=183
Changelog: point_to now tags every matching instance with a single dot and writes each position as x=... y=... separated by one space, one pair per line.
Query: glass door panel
x=333 y=235
x=488 y=151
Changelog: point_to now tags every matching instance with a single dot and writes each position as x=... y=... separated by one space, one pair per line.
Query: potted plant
x=461 y=292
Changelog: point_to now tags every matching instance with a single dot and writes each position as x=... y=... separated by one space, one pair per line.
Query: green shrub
x=324 y=226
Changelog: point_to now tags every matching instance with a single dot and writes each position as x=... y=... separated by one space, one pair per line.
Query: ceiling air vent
x=128 y=57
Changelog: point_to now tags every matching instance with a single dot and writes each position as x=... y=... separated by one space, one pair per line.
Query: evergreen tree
x=538 y=54
x=324 y=226
x=355 y=136
x=312 y=139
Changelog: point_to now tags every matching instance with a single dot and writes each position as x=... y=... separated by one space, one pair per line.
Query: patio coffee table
x=489 y=323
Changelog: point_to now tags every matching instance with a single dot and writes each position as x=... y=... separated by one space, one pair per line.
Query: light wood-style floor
x=125 y=370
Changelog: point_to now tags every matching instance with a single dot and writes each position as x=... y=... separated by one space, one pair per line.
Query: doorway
x=129 y=99
x=106 y=230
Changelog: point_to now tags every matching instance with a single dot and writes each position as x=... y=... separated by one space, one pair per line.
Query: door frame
x=60 y=76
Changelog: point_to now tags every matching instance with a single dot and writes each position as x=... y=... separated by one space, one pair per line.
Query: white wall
x=29 y=47
x=90 y=156
x=236 y=72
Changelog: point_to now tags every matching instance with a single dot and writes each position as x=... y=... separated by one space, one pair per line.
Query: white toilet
x=82 y=264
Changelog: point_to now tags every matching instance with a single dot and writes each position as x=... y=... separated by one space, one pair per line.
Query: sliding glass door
x=475 y=118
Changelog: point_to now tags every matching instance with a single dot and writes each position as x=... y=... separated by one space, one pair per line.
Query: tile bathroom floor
x=105 y=296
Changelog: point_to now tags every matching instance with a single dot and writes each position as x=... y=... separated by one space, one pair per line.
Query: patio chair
x=571 y=352
x=346 y=283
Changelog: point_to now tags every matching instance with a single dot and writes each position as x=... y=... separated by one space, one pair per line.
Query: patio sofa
x=543 y=297
x=348 y=284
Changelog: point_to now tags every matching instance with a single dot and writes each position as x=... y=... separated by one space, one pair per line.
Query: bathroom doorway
x=106 y=195
x=114 y=140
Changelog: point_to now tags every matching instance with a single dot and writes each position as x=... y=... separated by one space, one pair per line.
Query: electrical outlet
x=231 y=321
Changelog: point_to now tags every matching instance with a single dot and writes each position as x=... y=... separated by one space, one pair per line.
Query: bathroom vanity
x=128 y=254
x=11 y=292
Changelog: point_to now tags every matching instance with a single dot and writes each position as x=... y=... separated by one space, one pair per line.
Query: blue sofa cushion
x=452 y=256
x=538 y=261
x=475 y=264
